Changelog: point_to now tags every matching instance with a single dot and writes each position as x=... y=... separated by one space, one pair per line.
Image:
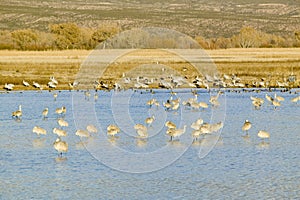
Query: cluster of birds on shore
x=168 y=82
x=173 y=103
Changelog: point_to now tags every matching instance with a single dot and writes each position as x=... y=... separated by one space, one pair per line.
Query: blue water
x=233 y=168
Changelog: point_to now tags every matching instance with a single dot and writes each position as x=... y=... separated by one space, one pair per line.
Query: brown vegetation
x=71 y=36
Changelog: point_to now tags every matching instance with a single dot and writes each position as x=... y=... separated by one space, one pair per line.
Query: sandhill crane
x=176 y=132
x=91 y=128
x=170 y=125
x=39 y=130
x=263 y=134
x=295 y=99
x=96 y=96
x=61 y=110
x=278 y=98
x=61 y=122
x=150 y=120
x=276 y=104
x=141 y=130
x=59 y=132
x=246 y=126
x=196 y=125
x=60 y=146
x=17 y=113
x=55 y=96
x=82 y=133
x=45 y=112
x=112 y=130
x=203 y=105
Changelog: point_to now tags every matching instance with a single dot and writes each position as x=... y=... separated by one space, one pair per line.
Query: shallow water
x=234 y=167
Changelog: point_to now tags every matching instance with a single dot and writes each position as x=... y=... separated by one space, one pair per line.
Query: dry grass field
x=248 y=64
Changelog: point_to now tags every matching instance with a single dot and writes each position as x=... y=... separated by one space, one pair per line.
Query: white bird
x=25 y=83
x=150 y=120
x=196 y=125
x=45 y=112
x=60 y=132
x=112 y=130
x=9 y=86
x=276 y=104
x=51 y=84
x=141 y=130
x=170 y=125
x=203 y=105
x=18 y=113
x=82 y=133
x=295 y=99
x=269 y=98
x=55 y=96
x=36 y=85
x=278 y=98
x=53 y=80
x=60 y=146
x=61 y=110
x=39 y=130
x=61 y=122
x=246 y=126
x=91 y=128
x=263 y=134
x=176 y=132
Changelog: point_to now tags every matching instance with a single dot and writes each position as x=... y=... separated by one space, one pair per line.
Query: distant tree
x=25 y=39
x=6 y=41
x=68 y=35
x=202 y=42
x=297 y=35
x=223 y=43
x=247 y=38
x=102 y=33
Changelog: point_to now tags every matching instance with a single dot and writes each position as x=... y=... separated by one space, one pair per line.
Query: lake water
x=223 y=165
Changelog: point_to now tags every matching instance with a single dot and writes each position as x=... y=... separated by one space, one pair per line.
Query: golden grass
x=249 y=64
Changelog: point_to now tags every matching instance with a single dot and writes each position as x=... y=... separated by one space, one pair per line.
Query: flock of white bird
x=200 y=128
x=169 y=82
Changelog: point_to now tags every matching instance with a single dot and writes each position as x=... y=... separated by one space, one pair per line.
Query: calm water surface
x=235 y=168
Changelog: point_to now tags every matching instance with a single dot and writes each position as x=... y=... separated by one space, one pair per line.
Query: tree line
x=71 y=36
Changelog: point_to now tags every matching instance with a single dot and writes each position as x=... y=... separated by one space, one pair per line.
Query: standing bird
x=96 y=96
x=141 y=130
x=25 y=83
x=55 y=96
x=60 y=146
x=62 y=123
x=170 y=125
x=112 y=130
x=91 y=128
x=60 y=132
x=17 y=113
x=9 y=86
x=61 y=110
x=263 y=134
x=279 y=98
x=39 y=130
x=45 y=112
x=276 y=104
x=82 y=133
x=247 y=125
x=176 y=132
x=150 y=120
